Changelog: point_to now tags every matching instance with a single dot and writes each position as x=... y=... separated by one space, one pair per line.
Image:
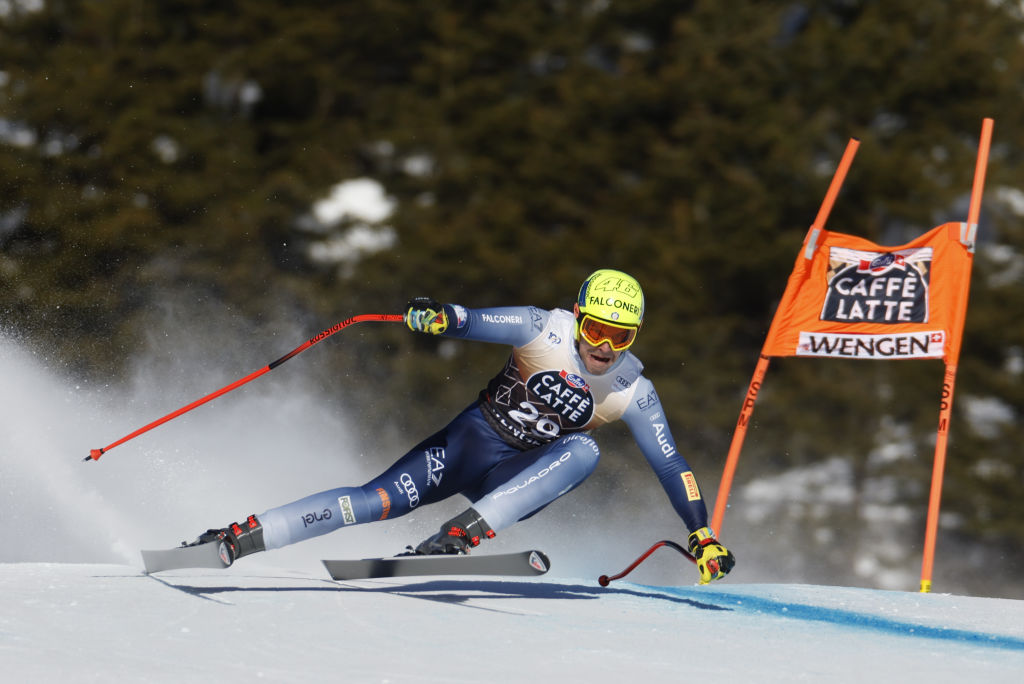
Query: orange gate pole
x=747 y=409
x=952 y=359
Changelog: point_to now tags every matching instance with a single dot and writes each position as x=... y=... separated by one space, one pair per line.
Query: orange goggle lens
x=596 y=332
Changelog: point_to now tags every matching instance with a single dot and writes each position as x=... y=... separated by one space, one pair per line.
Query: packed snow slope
x=75 y=606
x=104 y=623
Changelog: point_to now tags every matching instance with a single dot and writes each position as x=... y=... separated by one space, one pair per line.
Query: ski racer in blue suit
x=524 y=441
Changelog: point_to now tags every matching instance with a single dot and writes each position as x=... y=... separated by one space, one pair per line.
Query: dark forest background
x=157 y=154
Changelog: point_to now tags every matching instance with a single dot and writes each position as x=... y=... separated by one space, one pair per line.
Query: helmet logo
x=612 y=296
x=613 y=303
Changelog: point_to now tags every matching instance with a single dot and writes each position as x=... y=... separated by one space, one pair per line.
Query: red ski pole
x=604 y=580
x=94 y=454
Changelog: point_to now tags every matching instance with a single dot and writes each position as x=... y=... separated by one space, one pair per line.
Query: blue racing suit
x=522 y=444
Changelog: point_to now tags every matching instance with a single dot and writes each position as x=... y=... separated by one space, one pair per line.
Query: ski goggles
x=595 y=332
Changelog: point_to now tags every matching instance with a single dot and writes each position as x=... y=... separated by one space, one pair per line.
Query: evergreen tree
x=157 y=151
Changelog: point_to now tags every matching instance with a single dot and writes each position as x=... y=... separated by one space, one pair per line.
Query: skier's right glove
x=714 y=561
x=426 y=315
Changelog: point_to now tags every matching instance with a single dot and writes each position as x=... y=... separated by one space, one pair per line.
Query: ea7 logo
x=435 y=465
x=644 y=403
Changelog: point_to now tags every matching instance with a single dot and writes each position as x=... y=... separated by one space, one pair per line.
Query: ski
x=520 y=563
x=213 y=554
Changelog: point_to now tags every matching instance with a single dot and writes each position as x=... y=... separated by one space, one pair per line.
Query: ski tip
x=210 y=555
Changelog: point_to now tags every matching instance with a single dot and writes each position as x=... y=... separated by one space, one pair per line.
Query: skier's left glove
x=714 y=561
x=426 y=315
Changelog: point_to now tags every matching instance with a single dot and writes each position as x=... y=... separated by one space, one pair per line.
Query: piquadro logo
x=543 y=472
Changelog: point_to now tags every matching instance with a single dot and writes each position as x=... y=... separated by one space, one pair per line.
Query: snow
x=108 y=622
x=75 y=605
x=362 y=199
x=363 y=202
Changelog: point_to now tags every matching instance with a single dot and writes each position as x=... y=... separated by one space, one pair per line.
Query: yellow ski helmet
x=610 y=307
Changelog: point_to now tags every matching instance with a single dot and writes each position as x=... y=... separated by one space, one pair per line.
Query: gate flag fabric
x=850 y=298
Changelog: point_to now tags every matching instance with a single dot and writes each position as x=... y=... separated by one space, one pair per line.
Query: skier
x=525 y=441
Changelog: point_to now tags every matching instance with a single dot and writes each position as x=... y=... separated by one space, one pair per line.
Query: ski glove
x=714 y=561
x=426 y=315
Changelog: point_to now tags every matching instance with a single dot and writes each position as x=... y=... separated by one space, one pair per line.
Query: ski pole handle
x=604 y=580
x=94 y=454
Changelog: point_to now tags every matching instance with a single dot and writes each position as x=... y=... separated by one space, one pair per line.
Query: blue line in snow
x=799 y=611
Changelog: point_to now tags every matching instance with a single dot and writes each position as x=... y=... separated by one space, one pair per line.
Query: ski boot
x=457 y=535
x=241 y=539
